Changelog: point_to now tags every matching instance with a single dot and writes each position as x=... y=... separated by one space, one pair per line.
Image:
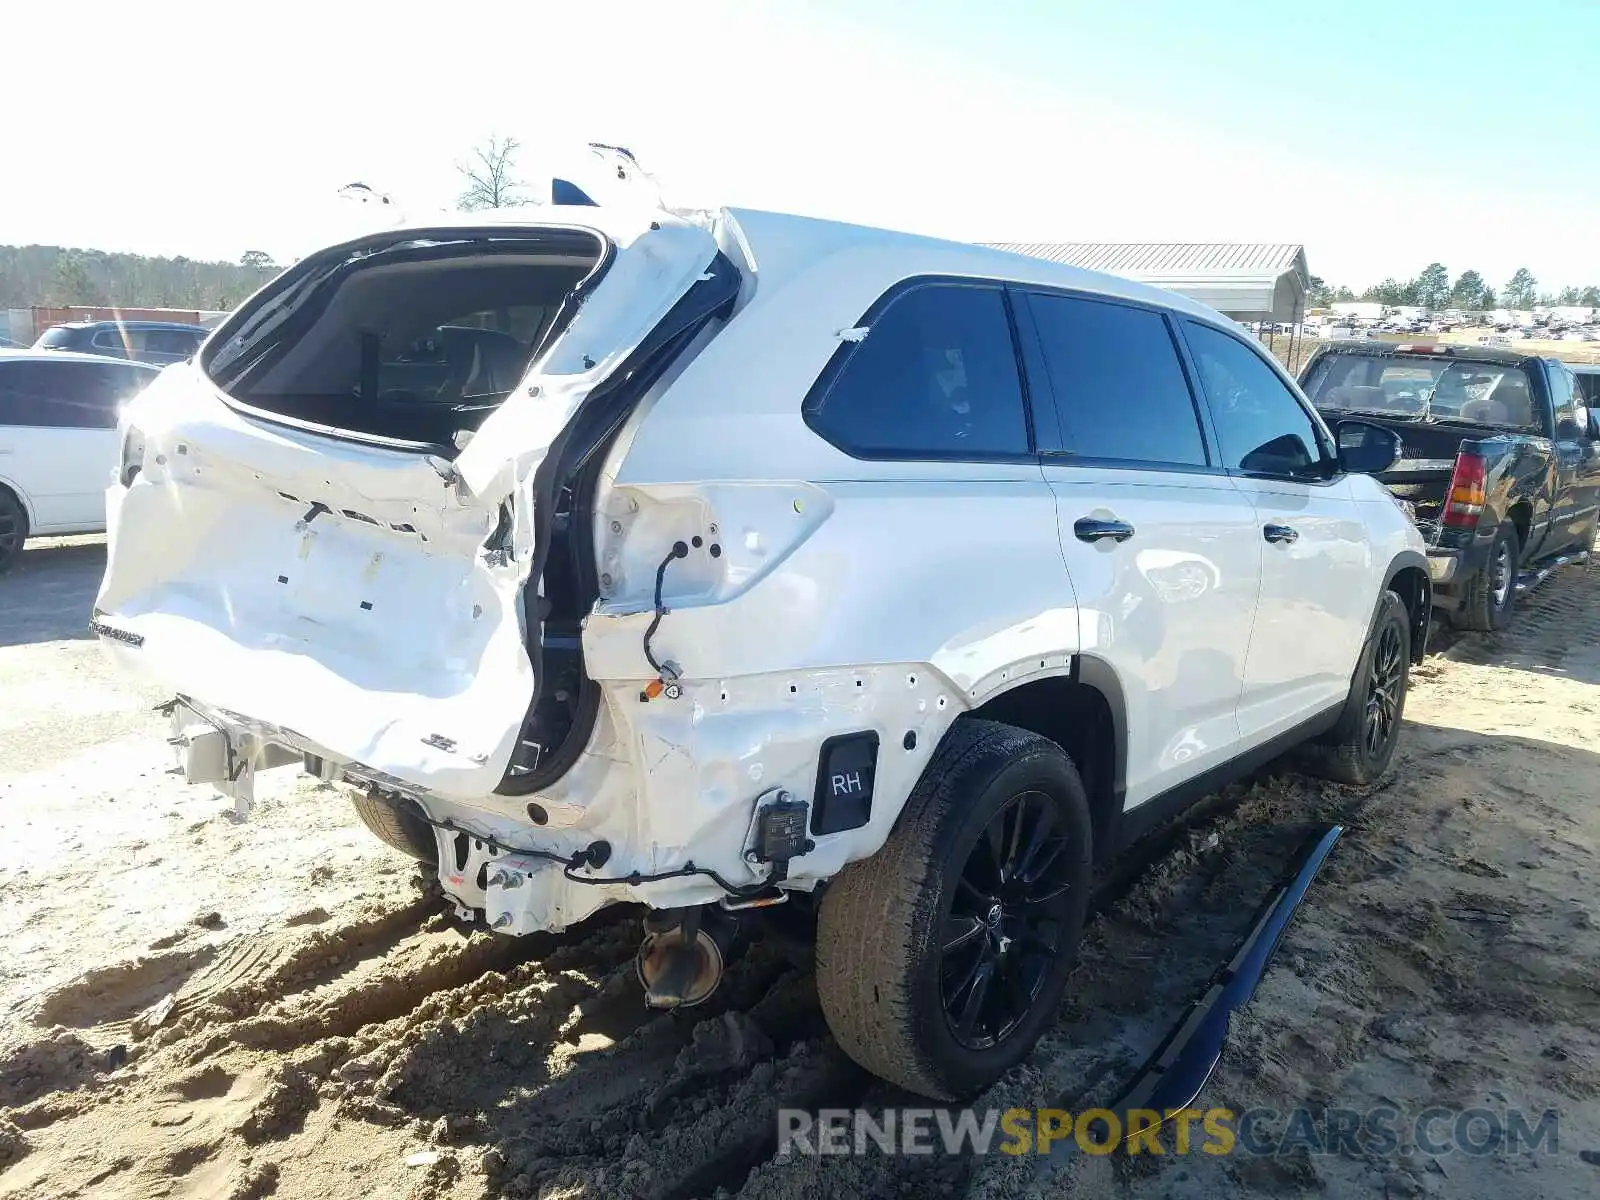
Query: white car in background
x=58 y=441
x=718 y=561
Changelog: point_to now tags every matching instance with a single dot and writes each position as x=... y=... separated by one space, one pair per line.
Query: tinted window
x=67 y=394
x=1561 y=393
x=1117 y=381
x=178 y=342
x=1589 y=388
x=57 y=337
x=1259 y=422
x=936 y=375
x=12 y=409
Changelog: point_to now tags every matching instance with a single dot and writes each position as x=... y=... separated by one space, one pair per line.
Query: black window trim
x=1327 y=447
x=1060 y=455
x=816 y=396
x=1049 y=438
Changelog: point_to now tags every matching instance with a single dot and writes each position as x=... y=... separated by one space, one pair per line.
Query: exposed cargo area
x=413 y=337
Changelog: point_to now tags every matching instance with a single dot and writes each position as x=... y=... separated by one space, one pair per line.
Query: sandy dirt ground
x=195 y=1006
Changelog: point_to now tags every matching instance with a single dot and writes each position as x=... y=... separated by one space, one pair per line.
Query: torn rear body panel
x=294 y=534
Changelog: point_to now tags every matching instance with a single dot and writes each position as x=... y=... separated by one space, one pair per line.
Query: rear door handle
x=1091 y=529
x=1279 y=533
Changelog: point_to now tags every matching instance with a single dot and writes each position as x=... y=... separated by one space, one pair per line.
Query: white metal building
x=1358 y=310
x=1248 y=282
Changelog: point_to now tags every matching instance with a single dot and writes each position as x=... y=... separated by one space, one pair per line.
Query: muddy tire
x=1491 y=594
x=401 y=827
x=943 y=957
x=1358 y=749
x=13 y=528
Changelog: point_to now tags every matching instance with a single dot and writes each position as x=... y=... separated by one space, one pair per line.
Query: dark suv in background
x=158 y=342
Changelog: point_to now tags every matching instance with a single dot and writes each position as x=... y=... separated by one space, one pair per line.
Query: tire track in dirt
x=533 y=1068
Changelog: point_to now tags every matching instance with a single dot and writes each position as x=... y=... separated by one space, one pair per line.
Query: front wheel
x=1357 y=750
x=941 y=959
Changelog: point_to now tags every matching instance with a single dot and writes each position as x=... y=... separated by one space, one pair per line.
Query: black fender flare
x=1421 y=605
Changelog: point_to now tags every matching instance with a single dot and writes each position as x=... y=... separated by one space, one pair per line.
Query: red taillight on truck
x=1464 y=502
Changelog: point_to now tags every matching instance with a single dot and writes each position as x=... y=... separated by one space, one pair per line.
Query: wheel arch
x=1407 y=576
x=1520 y=514
x=20 y=495
x=1083 y=712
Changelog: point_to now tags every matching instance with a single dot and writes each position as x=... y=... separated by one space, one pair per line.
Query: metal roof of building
x=1175 y=257
x=1249 y=281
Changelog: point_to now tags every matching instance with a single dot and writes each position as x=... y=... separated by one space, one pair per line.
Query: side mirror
x=1367 y=449
x=1594 y=422
x=1576 y=427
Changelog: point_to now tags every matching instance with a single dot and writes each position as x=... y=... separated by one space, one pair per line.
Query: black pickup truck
x=1501 y=462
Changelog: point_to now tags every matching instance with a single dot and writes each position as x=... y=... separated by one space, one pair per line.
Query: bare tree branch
x=490 y=179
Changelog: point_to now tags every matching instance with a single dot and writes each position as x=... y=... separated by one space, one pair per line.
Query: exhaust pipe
x=683 y=955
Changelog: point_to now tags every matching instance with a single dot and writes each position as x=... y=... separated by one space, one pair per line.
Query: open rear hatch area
x=357 y=525
x=412 y=342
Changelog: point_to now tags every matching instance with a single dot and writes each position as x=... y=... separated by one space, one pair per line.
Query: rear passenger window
x=71 y=395
x=935 y=377
x=1262 y=427
x=15 y=408
x=1118 y=382
x=169 y=341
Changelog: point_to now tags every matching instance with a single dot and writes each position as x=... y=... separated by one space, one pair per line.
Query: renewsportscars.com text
x=1260 y=1132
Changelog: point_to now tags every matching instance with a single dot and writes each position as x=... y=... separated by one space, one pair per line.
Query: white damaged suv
x=717 y=561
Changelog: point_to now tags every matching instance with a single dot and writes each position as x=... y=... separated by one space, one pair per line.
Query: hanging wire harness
x=593 y=856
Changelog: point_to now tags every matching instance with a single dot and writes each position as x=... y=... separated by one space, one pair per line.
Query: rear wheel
x=13 y=528
x=1357 y=750
x=401 y=826
x=941 y=959
x=1491 y=594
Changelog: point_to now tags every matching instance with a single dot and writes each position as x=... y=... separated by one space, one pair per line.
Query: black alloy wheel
x=1006 y=921
x=1384 y=691
x=942 y=958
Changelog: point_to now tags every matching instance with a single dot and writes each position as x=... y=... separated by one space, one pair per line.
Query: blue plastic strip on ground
x=1176 y=1073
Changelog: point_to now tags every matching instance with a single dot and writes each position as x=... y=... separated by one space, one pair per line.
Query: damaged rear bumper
x=719 y=796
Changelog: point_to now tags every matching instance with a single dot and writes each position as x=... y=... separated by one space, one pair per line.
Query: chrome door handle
x=1091 y=529
x=1279 y=533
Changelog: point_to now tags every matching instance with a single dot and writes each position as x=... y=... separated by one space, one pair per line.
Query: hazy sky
x=1382 y=136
